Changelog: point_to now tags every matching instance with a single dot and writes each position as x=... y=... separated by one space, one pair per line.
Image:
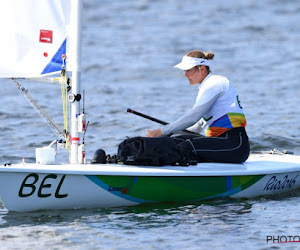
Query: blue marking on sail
x=56 y=62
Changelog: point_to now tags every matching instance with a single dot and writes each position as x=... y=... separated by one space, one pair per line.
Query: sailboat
x=44 y=44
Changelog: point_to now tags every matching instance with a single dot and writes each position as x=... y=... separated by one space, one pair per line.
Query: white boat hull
x=29 y=187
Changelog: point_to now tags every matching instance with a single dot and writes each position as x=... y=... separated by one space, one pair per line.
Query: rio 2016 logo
x=275 y=183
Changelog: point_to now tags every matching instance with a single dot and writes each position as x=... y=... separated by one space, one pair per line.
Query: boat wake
x=268 y=142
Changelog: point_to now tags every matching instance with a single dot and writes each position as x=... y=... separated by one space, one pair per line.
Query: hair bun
x=209 y=55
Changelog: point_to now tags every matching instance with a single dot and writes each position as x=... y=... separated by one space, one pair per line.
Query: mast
x=75 y=41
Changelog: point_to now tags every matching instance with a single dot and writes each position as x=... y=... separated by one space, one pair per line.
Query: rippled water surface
x=129 y=50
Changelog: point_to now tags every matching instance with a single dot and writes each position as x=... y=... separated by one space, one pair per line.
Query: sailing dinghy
x=45 y=45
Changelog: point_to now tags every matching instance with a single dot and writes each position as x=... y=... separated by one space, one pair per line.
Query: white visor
x=190 y=62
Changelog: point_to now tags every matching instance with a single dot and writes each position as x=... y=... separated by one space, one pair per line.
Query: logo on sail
x=46 y=36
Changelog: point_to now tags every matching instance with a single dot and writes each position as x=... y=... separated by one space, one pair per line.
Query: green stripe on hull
x=174 y=189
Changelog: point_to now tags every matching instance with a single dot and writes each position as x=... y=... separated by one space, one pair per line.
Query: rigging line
x=56 y=129
x=83 y=101
x=63 y=81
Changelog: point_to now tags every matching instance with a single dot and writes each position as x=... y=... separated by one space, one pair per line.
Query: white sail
x=33 y=37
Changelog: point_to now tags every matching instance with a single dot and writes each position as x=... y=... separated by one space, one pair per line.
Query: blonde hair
x=199 y=54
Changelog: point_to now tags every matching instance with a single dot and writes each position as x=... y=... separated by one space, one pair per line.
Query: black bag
x=150 y=151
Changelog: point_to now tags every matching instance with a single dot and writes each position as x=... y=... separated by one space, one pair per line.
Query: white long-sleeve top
x=217 y=109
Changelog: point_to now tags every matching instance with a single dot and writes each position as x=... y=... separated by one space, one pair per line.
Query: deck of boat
x=257 y=164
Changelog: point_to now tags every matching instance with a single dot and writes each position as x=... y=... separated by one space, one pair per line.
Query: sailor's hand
x=154 y=133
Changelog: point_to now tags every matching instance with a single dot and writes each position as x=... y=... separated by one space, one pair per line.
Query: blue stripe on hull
x=106 y=187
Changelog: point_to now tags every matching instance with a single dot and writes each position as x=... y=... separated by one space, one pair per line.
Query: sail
x=33 y=37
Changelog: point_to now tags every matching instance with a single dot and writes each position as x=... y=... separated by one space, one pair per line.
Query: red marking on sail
x=46 y=36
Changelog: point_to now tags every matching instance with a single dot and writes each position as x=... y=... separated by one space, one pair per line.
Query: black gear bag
x=151 y=151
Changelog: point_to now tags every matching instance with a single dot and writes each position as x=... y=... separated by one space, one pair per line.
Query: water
x=129 y=49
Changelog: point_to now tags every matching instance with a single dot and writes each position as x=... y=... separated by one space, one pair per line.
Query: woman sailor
x=217 y=111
